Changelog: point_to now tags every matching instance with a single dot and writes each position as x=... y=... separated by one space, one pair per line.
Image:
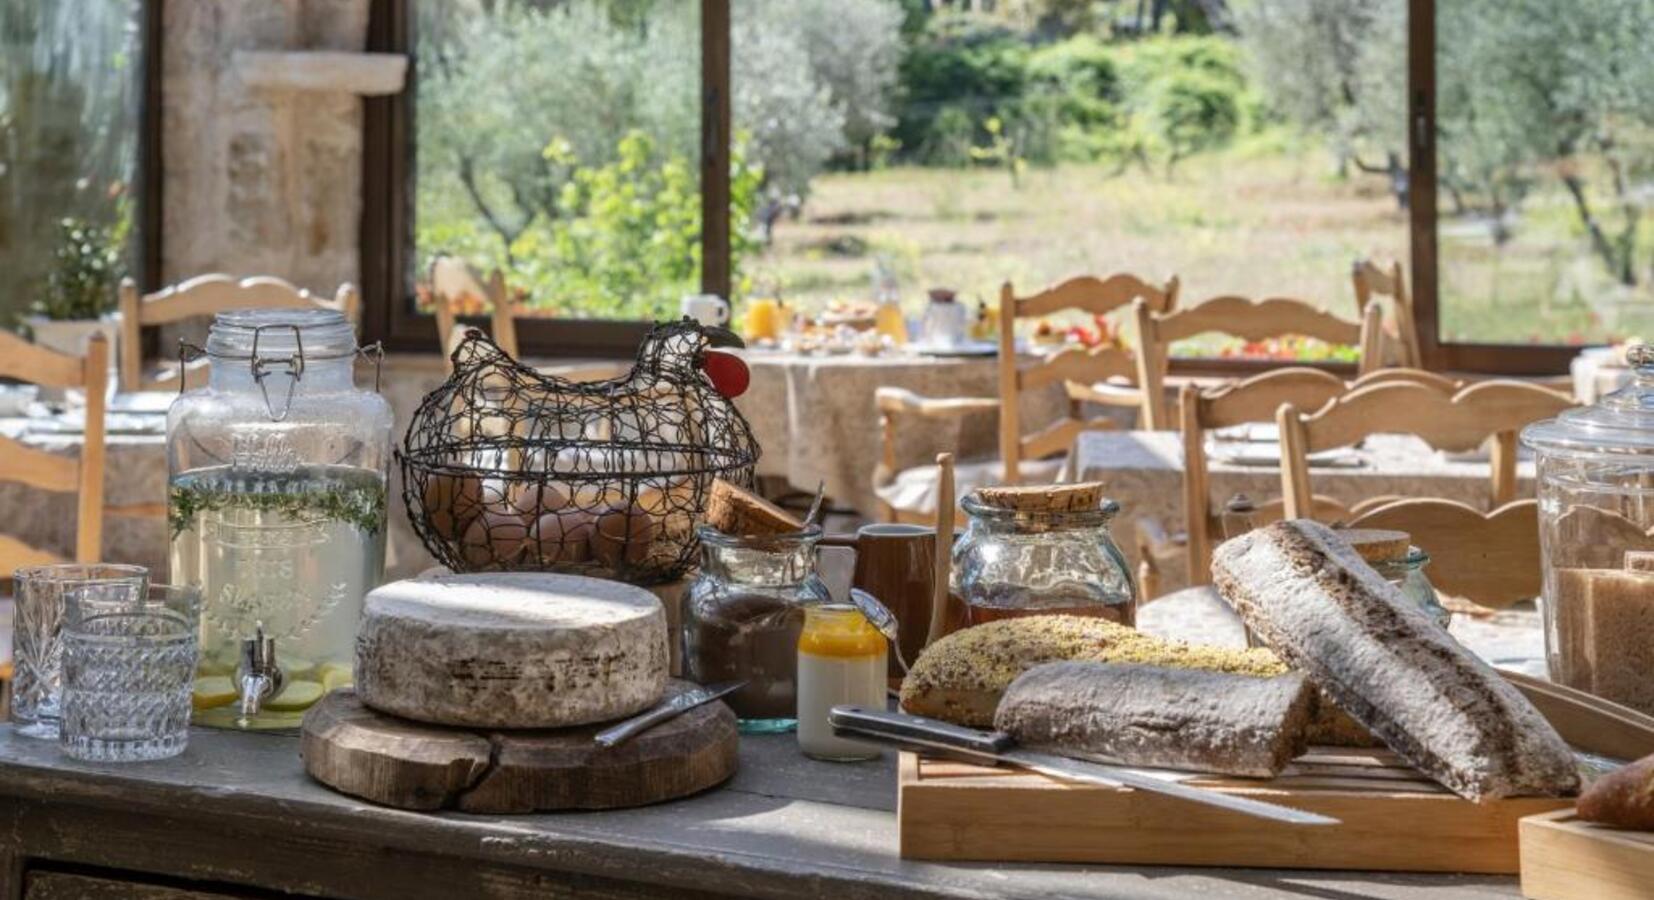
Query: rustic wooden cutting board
x=412 y=765
x=1564 y=858
x=1392 y=819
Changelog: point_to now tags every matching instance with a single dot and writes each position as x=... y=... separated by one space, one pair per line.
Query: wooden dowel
x=944 y=547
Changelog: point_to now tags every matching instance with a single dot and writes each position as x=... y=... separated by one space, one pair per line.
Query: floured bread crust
x=1328 y=614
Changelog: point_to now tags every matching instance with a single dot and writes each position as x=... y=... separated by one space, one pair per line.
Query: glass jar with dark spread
x=743 y=617
x=1025 y=561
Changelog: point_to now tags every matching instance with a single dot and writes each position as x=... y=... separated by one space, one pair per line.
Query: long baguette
x=1164 y=717
x=1326 y=613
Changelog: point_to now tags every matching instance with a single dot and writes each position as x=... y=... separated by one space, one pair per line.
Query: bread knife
x=918 y=733
x=671 y=709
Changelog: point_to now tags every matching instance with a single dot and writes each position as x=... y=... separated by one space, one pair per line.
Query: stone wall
x=261 y=160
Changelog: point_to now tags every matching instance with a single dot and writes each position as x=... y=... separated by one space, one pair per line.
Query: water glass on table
x=37 y=622
x=128 y=666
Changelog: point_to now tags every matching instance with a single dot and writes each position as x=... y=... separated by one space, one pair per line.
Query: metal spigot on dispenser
x=258 y=676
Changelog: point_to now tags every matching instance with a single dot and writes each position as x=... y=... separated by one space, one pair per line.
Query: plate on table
x=1258 y=432
x=969 y=348
x=1266 y=453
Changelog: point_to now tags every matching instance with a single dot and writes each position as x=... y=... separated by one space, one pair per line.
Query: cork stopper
x=1077 y=497
x=737 y=511
x=1377 y=544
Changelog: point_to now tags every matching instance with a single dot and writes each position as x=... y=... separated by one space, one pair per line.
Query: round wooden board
x=411 y=765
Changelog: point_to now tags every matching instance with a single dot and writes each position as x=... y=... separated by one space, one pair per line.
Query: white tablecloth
x=815 y=419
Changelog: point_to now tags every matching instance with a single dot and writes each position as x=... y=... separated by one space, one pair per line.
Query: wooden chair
x=1248 y=401
x=453 y=280
x=1103 y=375
x=1252 y=320
x=1490 y=559
x=48 y=471
x=1462 y=421
x=206 y=295
x=1371 y=283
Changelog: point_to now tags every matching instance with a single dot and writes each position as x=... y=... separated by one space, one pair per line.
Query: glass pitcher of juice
x=276 y=511
x=763 y=320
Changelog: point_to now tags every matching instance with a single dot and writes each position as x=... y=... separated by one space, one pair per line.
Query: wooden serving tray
x=1564 y=858
x=1392 y=819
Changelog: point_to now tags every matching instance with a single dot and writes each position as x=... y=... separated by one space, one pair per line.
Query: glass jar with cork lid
x=1041 y=551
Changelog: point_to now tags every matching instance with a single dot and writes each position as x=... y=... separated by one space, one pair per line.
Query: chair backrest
x=1248 y=401
x=37 y=468
x=1372 y=282
x=1251 y=401
x=1461 y=421
x=1490 y=558
x=452 y=280
x=1251 y=320
x=206 y=295
x=1076 y=368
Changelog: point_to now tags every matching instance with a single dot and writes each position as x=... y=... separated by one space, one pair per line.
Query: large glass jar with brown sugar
x=1042 y=551
x=276 y=511
x=1595 y=468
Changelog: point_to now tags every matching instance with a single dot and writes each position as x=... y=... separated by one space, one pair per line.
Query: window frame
x=387 y=225
x=386 y=237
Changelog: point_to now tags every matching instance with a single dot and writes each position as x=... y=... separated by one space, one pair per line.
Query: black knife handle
x=917 y=729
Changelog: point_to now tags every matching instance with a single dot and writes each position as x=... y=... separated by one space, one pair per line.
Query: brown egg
x=495 y=540
x=565 y=537
x=451 y=503
x=623 y=536
x=533 y=499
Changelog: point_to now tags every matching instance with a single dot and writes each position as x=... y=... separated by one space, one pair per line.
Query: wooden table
x=236 y=815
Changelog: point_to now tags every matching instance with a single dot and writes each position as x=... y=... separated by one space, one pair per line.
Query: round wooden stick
x=944 y=547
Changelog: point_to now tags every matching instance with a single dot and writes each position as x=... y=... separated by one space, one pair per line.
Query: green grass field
x=1267 y=224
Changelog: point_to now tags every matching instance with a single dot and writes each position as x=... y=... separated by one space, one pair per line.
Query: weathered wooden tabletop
x=237 y=810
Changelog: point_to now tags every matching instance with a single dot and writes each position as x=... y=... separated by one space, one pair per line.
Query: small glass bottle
x=743 y=617
x=1022 y=562
x=1407 y=572
x=841 y=660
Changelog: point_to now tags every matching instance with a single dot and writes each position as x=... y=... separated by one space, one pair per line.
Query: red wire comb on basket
x=506 y=468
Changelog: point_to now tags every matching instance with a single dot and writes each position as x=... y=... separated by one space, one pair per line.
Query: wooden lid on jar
x=1084 y=495
x=1377 y=544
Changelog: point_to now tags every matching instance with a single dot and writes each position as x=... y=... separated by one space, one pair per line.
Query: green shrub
x=86 y=267
x=957 y=66
x=1191 y=111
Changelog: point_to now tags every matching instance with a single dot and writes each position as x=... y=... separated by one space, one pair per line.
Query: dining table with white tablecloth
x=1143 y=472
x=815 y=420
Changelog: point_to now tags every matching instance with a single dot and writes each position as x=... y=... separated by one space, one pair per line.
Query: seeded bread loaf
x=1156 y=716
x=1328 y=614
x=961 y=678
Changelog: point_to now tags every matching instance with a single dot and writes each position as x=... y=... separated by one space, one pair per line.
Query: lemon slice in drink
x=335 y=676
x=295 y=696
x=212 y=691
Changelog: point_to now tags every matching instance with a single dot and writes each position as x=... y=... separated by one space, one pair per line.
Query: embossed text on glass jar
x=276 y=511
x=743 y=616
x=1038 y=562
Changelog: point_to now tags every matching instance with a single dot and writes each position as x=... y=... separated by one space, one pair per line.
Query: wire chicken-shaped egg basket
x=505 y=468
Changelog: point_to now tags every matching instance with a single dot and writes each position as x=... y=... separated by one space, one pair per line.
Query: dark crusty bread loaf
x=1623 y=798
x=962 y=677
x=1310 y=597
x=1156 y=716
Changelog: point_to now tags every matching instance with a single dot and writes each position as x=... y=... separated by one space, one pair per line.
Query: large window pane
x=559 y=142
x=70 y=83
x=1545 y=145
x=1259 y=153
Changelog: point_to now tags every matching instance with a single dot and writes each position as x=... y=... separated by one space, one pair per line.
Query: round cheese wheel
x=511 y=650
